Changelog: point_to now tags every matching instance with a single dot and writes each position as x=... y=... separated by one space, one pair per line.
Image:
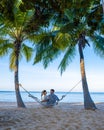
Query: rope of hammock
x=72 y=88
x=38 y=100
x=30 y=95
x=63 y=96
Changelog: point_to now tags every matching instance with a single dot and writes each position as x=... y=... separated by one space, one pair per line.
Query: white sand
x=65 y=116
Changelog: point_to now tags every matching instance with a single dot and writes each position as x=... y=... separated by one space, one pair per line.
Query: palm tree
x=88 y=102
x=14 y=43
x=19 y=26
x=72 y=27
x=49 y=49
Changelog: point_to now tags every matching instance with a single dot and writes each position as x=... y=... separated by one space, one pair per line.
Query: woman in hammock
x=43 y=95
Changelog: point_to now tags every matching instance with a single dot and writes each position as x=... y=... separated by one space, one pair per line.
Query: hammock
x=43 y=103
x=36 y=99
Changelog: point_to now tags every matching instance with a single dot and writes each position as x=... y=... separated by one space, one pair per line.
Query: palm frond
x=45 y=50
x=50 y=55
x=6 y=9
x=27 y=51
x=67 y=58
x=99 y=45
x=61 y=40
x=41 y=48
x=19 y=24
x=12 y=61
x=5 y=46
x=37 y=38
x=46 y=53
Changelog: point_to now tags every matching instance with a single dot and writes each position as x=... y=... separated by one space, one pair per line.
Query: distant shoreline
x=55 y=91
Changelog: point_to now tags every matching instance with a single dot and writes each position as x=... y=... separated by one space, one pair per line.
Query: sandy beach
x=64 y=116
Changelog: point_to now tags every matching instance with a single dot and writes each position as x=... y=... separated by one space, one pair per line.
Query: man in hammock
x=51 y=99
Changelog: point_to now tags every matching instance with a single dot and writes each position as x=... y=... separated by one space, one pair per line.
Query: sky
x=36 y=78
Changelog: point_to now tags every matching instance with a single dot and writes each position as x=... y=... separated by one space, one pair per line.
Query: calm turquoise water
x=9 y=96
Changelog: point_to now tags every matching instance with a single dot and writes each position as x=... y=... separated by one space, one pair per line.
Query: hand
x=63 y=96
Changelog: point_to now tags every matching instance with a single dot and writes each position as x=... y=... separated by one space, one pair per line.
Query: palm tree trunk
x=88 y=102
x=18 y=96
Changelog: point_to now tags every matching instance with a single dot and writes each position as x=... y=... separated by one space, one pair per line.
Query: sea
x=9 y=96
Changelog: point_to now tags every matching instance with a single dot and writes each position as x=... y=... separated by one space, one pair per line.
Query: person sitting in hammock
x=43 y=95
x=51 y=99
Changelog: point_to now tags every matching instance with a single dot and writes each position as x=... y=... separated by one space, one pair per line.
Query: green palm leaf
x=67 y=58
x=4 y=47
x=61 y=40
x=99 y=45
x=12 y=61
x=27 y=51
